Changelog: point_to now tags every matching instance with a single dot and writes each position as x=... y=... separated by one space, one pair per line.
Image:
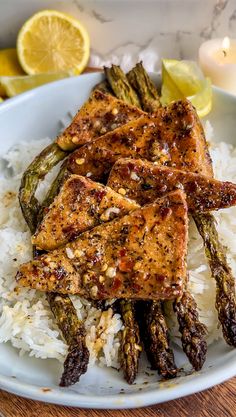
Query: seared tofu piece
x=180 y=129
x=80 y=205
x=136 y=138
x=144 y=181
x=173 y=136
x=140 y=256
x=100 y=114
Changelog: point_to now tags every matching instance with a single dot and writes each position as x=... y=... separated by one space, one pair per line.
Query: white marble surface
x=124 y=31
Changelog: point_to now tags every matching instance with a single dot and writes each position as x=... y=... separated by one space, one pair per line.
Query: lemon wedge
x=18 y=84
x=9 y=64
x=52 y=41
x=184 y=79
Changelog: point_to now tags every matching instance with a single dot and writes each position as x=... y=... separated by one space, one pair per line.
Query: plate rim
x=215 y=375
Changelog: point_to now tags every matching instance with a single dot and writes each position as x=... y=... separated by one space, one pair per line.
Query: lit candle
x=217 y=58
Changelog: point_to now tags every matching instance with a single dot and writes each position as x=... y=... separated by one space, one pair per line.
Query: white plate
x=34 y=115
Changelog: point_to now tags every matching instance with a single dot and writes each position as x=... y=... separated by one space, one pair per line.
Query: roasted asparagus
x=189 y=131
x=155 y=337
x=74 y=333
x=122 y=88
x=78 y=356
x=221 y=272
x=145 y=88
x=37 y=170
x=120 y=85
x=192 y=330
x=130 y=341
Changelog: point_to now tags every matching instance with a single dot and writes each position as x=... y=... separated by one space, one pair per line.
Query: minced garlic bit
x=180 y=186
x=103 y=130
x=89 y=174
x=86 y=278
x=80 y=161
x=138 y=347
x=101 y=278
x=104 y=267
x=106 y=215
x=137 y=266
x=78 y=253
x=134 y=176
x=110 y=272
x=115 y=111
x=97 y=123
x=75 y=139
x=70 y=253
x=122 y=191
x=94 y=291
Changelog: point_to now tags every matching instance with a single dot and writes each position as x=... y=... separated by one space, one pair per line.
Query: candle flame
x=226 y=43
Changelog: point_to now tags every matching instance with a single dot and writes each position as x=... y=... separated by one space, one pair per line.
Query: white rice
x=25 y=318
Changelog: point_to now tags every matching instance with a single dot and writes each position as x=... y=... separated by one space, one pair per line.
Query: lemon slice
x=16 y=85
x=51 y=41
x=9 y=64
x=184 y=79
x=1 y=99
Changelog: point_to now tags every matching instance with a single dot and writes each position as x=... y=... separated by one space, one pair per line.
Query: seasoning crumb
x=75 y=139
x=103 y=130
x=114 y=111
x=122 y=191
x=111 y=272
x=70 y=253
x=80 y=161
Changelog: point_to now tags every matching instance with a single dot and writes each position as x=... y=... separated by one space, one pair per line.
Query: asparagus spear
x=130 y=341
x=192 y=341
x=146 y=90
x=103 y=86
x=123 y=90
x=41 y=165
x=72 y=329
x=74 y=333
x=221 y=272
x=64 y=312
x=53 y=191
x=192 y=330
x=155 y=338
x=120 y=85
x=129 y=351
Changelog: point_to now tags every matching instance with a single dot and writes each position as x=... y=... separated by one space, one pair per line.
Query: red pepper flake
x=116 y=284
x=100 y=195
x=165 y=212
x=136 y=287
x=126 y=264
x=122 y=252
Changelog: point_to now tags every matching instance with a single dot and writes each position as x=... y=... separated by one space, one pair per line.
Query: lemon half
x=52 y=41
x=184 y=79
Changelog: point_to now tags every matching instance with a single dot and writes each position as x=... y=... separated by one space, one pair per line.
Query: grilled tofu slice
x=137 y=138
x=143 y=182
x=180 y=130
x=140 y=256
x=173 y=136
x=100 y=114
x=80 y=205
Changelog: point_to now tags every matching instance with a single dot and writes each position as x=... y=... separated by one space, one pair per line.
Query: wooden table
x=219 y=401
